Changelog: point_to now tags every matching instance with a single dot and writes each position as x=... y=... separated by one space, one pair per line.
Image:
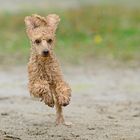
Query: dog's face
x=41 y=32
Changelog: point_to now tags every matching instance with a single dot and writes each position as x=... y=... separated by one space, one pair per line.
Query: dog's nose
x=45 y=52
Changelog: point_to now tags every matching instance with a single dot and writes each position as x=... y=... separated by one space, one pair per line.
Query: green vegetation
x=85 y=33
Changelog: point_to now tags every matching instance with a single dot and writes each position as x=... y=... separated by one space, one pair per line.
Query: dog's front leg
x=59 y=114
x=41 y=90
x=63 y=93
x=62 y=98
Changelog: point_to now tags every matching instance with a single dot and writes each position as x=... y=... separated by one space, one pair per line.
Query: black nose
x=45 y=52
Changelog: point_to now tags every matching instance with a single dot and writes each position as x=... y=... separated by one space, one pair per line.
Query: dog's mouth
x=45 y=53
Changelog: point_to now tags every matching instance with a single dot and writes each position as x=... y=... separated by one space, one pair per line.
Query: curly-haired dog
x=45 y=77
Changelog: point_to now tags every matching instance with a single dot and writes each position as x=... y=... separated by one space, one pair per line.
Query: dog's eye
x=37 y=41
x=49 y=41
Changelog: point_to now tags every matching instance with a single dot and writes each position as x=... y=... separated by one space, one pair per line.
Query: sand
x=105 y=105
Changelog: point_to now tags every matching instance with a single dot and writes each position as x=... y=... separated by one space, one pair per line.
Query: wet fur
x=45 y=77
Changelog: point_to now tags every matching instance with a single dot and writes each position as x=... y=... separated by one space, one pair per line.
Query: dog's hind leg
x=59 y=114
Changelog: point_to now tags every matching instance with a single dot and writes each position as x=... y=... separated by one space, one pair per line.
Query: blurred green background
x=89 y=30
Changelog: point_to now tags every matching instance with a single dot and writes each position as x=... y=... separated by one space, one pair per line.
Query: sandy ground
x=105 y=106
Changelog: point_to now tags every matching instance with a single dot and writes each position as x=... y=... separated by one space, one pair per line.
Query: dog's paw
x=63 y=93
x=63 y=99
x=60 y=120
x=48 y=100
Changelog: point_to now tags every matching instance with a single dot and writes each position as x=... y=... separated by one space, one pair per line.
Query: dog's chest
x=47 y=72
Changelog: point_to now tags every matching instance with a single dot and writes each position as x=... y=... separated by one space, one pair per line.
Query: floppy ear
x=30 y=22
x=33 y=22
x=53 y=21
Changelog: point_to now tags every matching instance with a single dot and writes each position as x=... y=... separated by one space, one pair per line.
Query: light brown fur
x=45 y=77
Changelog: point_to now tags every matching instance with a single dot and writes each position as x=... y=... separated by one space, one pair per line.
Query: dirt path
x=105 y=106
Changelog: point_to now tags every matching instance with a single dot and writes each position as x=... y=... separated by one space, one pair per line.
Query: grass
x=86 y=33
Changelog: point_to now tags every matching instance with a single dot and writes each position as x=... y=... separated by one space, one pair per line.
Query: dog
x=45 y=77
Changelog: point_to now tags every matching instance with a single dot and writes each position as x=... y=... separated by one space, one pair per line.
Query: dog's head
x=41 y=32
